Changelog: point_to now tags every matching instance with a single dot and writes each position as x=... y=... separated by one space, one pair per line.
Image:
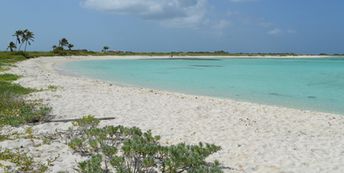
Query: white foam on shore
x=253 y=137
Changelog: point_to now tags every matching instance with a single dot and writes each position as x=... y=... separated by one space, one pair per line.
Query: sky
x=299 y=26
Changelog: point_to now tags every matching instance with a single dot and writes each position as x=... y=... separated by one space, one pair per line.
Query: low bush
x=14 y=110
x=24 y=54
x=8 y=77
x=7 y=88
x=23 y=162
x=129 y=150
x=60 y=51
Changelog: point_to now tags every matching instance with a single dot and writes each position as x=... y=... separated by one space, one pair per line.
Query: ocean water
x=309 y=84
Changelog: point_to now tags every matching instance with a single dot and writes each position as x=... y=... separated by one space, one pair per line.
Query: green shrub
x=190 y=158
x=52 y=88
x=60 y=51
x=87 y=122
x=23 y=162
x=7 y=88
x=14 y=110
x=92 y=165
x=8 y=77
x=24 y=54
x=129 y=150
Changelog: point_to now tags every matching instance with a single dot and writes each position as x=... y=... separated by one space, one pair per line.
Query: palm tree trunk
x=21 y=44
x=25 y=46
x=17 y=43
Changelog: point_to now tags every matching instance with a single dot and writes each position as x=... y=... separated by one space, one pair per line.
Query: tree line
x=22 y=37
x=26 y=37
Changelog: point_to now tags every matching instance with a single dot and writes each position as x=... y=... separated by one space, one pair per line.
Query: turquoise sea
x=310 y=84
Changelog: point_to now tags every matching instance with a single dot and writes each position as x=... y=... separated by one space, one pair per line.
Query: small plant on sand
x=22 y=162
x=129 y=150
x=8 y=77
x=14 y=110
x=4 y=137
x=52 y=88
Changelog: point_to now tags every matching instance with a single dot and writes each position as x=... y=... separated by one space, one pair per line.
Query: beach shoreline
x=253 y=137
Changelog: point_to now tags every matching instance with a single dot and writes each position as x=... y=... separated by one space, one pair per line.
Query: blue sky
x=299 y=26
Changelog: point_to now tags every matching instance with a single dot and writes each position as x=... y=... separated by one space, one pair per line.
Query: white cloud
x=222 y=24
x=275 y=31
x=278 y=31
x=179 y=13
x=219 y=27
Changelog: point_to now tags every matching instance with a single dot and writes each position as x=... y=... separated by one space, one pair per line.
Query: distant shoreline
x=126 y=54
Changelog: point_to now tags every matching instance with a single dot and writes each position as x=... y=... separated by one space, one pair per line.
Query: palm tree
x=12 y=46
x=28 y=38
x=63 y=43
x=70 y=46
x=105 y=48
x=19 y=35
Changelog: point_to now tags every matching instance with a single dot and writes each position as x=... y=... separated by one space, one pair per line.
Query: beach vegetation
x=23 y=37
x=18 y=34
x=12 y=46
x=4 y=137
x=63 y=42
x=24 y=54
x=70 y=46
x=8 y=59
x=130 y=150
x=57 y=50
x=52 y=88
x=8 y=77
x=105 y=49
x=22 y=162
x=27 y=38
x=63 y=45
x=63 y=48
x=9 y=88
x=14 y=110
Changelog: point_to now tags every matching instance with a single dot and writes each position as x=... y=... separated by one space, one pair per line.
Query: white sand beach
x=253 y=137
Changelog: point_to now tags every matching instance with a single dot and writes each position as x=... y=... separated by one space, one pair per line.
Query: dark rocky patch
x=206 y=65
x=181 y=59
x=275 y=94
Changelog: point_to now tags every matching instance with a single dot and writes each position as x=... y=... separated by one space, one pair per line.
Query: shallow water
x=311 y=84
